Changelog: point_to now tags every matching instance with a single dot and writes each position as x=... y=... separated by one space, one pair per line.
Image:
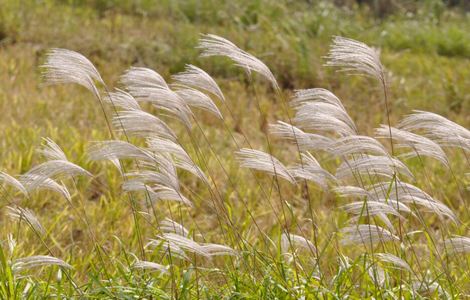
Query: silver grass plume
x=315 y=95
x=52 y=169
x=213 y=45
x=142 y=124
x=457 y=245
x=167 y=247
x=261 y=161
x=289 y=240
x=356 y=144
x=420 y=145
x=375 y=165
x=170 y=226
x=165 y=175
x=52 y=151
x=34 y=183
x=305 y=141
x=366 y=235
x=402 y=192
x=25 y=215
x=12 y=181
x=149 y=266
x=370 y=208
x=30 y=262
x=197 y=78
x=66 y=66
x=156 y=192
x=394 y=260
x=122 y=99
x=311 y=170
x=180 y=157
x=206 y=249
x=147 y=85
x=196 y=98
x=437 y=128
x=355 y=57
x=115 y=149
x=351 y=191
x=309 y=117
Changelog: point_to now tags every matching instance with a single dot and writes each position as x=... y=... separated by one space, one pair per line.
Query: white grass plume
x=147 y=85
x=34 y=183
x=206 y=249
x=356 y=144
x=198 y=99
x=149 y=266
x=30 y=262
x=374 y=165
x=122 y=99
x=12 y=181
x=115 y=149
x=420 y=145
x=309 y=118
x=370 y=208
x=355 y=57
x=165 y=175
x=170 y=226
x=52 y=151
x=197 y=78
x=261 y=161
x=26 y=215
x=394 y=260
x=67 y=66
x=311 y=170
x=213 y=45
x=156 y=192
x=457 y=245
x=52 y=169
x=142 y=124
x=437 y=128
x=305 y=141
x=366 y=234
x=289 y=240
x=352 y=191
x=315 y=95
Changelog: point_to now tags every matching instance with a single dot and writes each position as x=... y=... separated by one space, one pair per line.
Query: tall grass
x=394 y=238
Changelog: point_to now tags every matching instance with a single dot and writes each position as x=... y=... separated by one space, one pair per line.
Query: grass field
x=102 y=231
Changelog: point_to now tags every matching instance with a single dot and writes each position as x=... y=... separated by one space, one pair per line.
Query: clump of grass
x=393 y=238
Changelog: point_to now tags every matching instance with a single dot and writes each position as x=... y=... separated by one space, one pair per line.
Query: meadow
x=156 y=157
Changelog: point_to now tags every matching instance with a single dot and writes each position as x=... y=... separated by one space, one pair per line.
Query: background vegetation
x=425 y=46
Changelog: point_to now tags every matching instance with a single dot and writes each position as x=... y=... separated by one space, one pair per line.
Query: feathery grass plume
x=312 y=119
x=26 y=263
x=66 y=66
x=366 y=235
x=261 y=161
x=52 y=151
x=12 y=181
x=115 y=149
x=166 y=247
x=370 y=208
x=351 y=191
x=51 y=169
x=315 y=95
x=166 y=175
x=321 y=108
x=205 y=249
x=147 y=85
x=420 y=145
x=402 y=192
x=24 y=214
x=437 y=128
x=149 y=266
x=394 y=260
x=170 y=226
x=156 y=192
x=457 y=244
x=376 y=274
x=196 y=98
x=369 y=164
x=213 y=45
x=430 y=288
x=289 y=240
x=356 y=144
x=122 y=99
x=197 y=78
x=311 y=170
x=142 y=124
x=32 y=184
x=355 y=57
x=305 y=141
x=180 y=157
